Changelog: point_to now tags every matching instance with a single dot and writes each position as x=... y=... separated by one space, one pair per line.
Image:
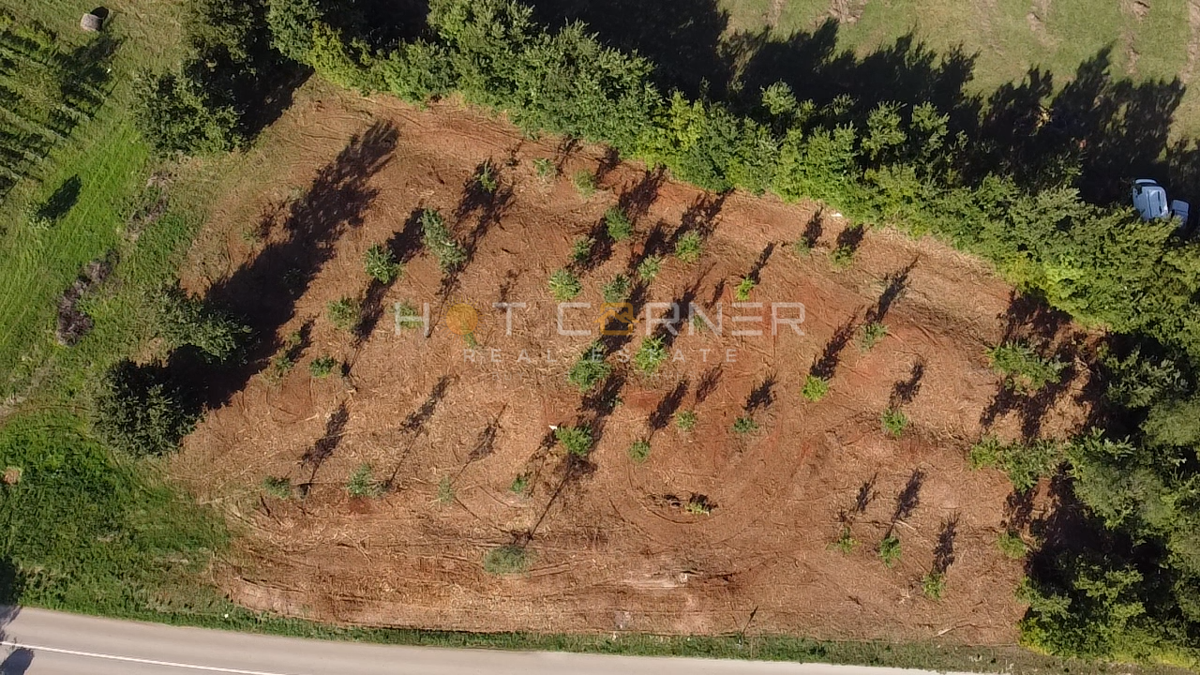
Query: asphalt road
x=39 y=642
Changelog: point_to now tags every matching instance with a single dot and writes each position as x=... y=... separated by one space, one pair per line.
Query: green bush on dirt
x=590 y=370
x=564 y=285
x=815 y=388
x=689 y=247
x=140 y=412
x=381 y=264
x=617 y=224
x=1022 y=367
x=576 y=440
x=362 y=483
x=639 y=451
x=510 y=559
x=440 y=242
x=650 y=355
x=889 y=550
x=344 y=313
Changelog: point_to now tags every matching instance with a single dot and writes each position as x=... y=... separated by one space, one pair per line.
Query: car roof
x=1151 y=200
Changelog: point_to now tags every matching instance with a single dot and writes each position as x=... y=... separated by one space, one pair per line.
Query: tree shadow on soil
x=904 y=391
x=325 y=446
x=825 y=365
x=263 y=292
x=666 y=408
x=403 y=245
x=909 y=497
x=943 y=552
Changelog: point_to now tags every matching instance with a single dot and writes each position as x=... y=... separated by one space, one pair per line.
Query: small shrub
x=649 y=267
x=445 y=493
x=616 y=290
x=689 y=247
x=639 y=451
x=685 y=420
x=545 y=168
x=486 y=178
x=581 y=251
x=564 y=285
x=590 y=369
x=889 y=550
x=437 y=238
x=842 y=258
x=181 y=319
x=845 y=543
x=801 y=248
x=1012 y=545
x=381 y=264
x=322 y=367
x=519 y=485
x=344 y=313
x=510 y=559
x=585 y=183
x=871 y=334
x=744 y=425
x=698 y=505
x=1023 y=368
x=618 y=225
x=362 y=483
x=933 y=585
x=407 y=310
x=1024 y=464
x=576 y=440
x=894 y=421
x=281 y=365
x=650 y=355
x=815 y=388
x=744 y=287
x=280 y=488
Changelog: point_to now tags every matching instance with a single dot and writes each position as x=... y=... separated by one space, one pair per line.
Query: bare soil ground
x=612 y=548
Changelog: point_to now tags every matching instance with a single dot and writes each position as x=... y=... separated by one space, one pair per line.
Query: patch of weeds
x=322 y=367
x=618 y=225
x=616 y=290
x=744 y=287
x=440 y=242
x=585 y=183
x=486 y=178
x=381 y=264
x=406 y=315
x=933 y=585
x=362 y=483
x=280 y=488
x=445 y=492
x=842 y=258
x=894 y=421
x=581 y=251
x=576 y=440
x=469 y=339
x=649 y=268
x=1022 y=367
x=801 y=248
x=1025 y=464
x=1012 y=545
x=639 y=451
x=564 y=285
x=744 y=425
x=689 y=247
x=871 y=334
x=685 y=420
x=545 y=168
x=590 y=369
x=698 y=505
x=844 y=543
x=889 y=550
x=344 y=313
x=815 y=388
x=650 y=355
x=281 y=365
x=520 y=485
x=509 y=559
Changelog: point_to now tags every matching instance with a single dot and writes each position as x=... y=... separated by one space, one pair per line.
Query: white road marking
x=130 y=659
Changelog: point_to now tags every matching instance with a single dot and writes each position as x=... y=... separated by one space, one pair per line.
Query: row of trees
x=1127 y=582
x=45 y=92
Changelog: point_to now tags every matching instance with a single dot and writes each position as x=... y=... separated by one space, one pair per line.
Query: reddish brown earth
x=612 y=550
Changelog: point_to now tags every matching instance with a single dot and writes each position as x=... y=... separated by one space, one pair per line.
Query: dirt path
x=712 y=524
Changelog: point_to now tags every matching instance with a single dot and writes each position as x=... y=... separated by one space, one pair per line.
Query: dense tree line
x=1127 y=581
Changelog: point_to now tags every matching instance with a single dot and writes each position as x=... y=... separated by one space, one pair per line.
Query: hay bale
x=91 y=23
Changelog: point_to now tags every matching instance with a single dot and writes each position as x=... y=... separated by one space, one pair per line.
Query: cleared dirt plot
x=379 y=476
